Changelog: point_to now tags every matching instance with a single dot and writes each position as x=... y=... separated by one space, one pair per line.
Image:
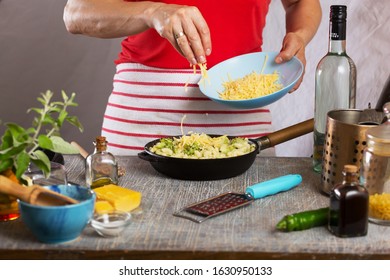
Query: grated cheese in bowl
x=251 y=86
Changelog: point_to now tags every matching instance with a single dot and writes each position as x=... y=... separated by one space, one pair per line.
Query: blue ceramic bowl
x=240 y=66
x=56 y=224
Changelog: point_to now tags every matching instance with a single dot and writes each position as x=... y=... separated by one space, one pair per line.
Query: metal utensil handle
x=286 y=134
x=274 y=186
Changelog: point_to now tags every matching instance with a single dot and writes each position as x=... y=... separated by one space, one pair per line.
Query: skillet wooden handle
x=286 y=134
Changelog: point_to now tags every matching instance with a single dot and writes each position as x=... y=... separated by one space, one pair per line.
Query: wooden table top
x=245 y=233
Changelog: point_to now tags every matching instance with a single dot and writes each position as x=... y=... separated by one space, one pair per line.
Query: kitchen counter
x=245 y=233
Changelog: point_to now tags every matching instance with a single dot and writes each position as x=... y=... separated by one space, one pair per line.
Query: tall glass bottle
x=101 y=167
x=335 y=80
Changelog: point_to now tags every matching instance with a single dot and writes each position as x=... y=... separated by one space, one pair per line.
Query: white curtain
x=368 y=44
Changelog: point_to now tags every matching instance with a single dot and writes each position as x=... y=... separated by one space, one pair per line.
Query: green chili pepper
x=304 y=220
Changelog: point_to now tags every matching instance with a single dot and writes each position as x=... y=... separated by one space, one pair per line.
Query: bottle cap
x=100 y=139
x=350 y=168
x=101 y=143
x=338 y=12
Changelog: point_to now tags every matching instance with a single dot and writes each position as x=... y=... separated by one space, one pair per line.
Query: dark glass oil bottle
x=348 y=215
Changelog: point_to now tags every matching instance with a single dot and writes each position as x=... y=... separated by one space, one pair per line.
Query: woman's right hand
x=185 y=28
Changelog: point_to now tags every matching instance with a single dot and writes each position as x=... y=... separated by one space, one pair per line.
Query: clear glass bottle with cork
x=101 y=167
x=375 y=171
x=348 y=210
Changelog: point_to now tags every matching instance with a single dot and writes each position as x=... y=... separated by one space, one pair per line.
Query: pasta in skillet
x=202 y=146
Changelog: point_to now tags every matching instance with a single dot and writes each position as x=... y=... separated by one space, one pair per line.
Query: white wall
x=368 y=44
x=37 y=53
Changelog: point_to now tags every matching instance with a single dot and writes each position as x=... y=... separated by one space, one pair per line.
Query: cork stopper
x=349 y=168
x=101 y=143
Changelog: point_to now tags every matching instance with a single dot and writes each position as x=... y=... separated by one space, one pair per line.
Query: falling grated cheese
x=203 y=72
x=181 y=123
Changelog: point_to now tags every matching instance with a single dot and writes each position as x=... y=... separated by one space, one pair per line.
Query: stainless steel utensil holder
x=345 y=141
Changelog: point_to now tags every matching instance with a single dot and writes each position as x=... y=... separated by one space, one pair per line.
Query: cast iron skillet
x=215 y=169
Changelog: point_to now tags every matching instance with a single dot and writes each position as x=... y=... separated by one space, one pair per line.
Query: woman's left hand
x=293 y=45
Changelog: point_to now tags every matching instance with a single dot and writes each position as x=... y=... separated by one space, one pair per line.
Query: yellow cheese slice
x=103 y=206
x=119 y=197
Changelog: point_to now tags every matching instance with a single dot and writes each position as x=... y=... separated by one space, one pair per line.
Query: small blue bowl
x=240 y=66
x=56 y=224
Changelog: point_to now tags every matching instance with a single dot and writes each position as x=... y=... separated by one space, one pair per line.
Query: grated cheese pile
x=379 y=205
x=251 y=86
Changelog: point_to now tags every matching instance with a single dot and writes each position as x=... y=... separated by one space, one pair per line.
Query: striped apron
x=148 y=103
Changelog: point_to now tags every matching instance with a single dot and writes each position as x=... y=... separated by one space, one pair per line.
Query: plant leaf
x=22 y=162
x=6 y=140
x=64 y=96
x=11 y=151
x=5 y=164
x=18 y=133
x=62 y=117
x=45 y=142
x=40 y=159
x=62 y=147
x=73 y=120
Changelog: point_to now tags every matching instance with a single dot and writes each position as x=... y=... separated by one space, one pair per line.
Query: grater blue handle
x=274 y=186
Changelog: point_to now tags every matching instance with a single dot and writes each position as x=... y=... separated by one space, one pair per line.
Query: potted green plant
x=21 y=147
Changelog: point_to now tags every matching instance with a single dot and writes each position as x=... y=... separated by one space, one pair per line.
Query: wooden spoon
x=34 y=194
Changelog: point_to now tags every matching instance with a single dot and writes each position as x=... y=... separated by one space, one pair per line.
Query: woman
x=163 y=39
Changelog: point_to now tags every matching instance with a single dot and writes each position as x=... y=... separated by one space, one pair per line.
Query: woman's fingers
x=186 y=29
x=184 y=47
x=293 y=45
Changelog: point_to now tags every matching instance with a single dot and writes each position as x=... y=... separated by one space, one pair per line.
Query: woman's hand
x=293 y=45
x=302 y=20
x=185 y=28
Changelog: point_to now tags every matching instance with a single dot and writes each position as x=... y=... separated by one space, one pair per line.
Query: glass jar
x=101 y=167
x=9 y=209
x=36 y=176
x=375 y=170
